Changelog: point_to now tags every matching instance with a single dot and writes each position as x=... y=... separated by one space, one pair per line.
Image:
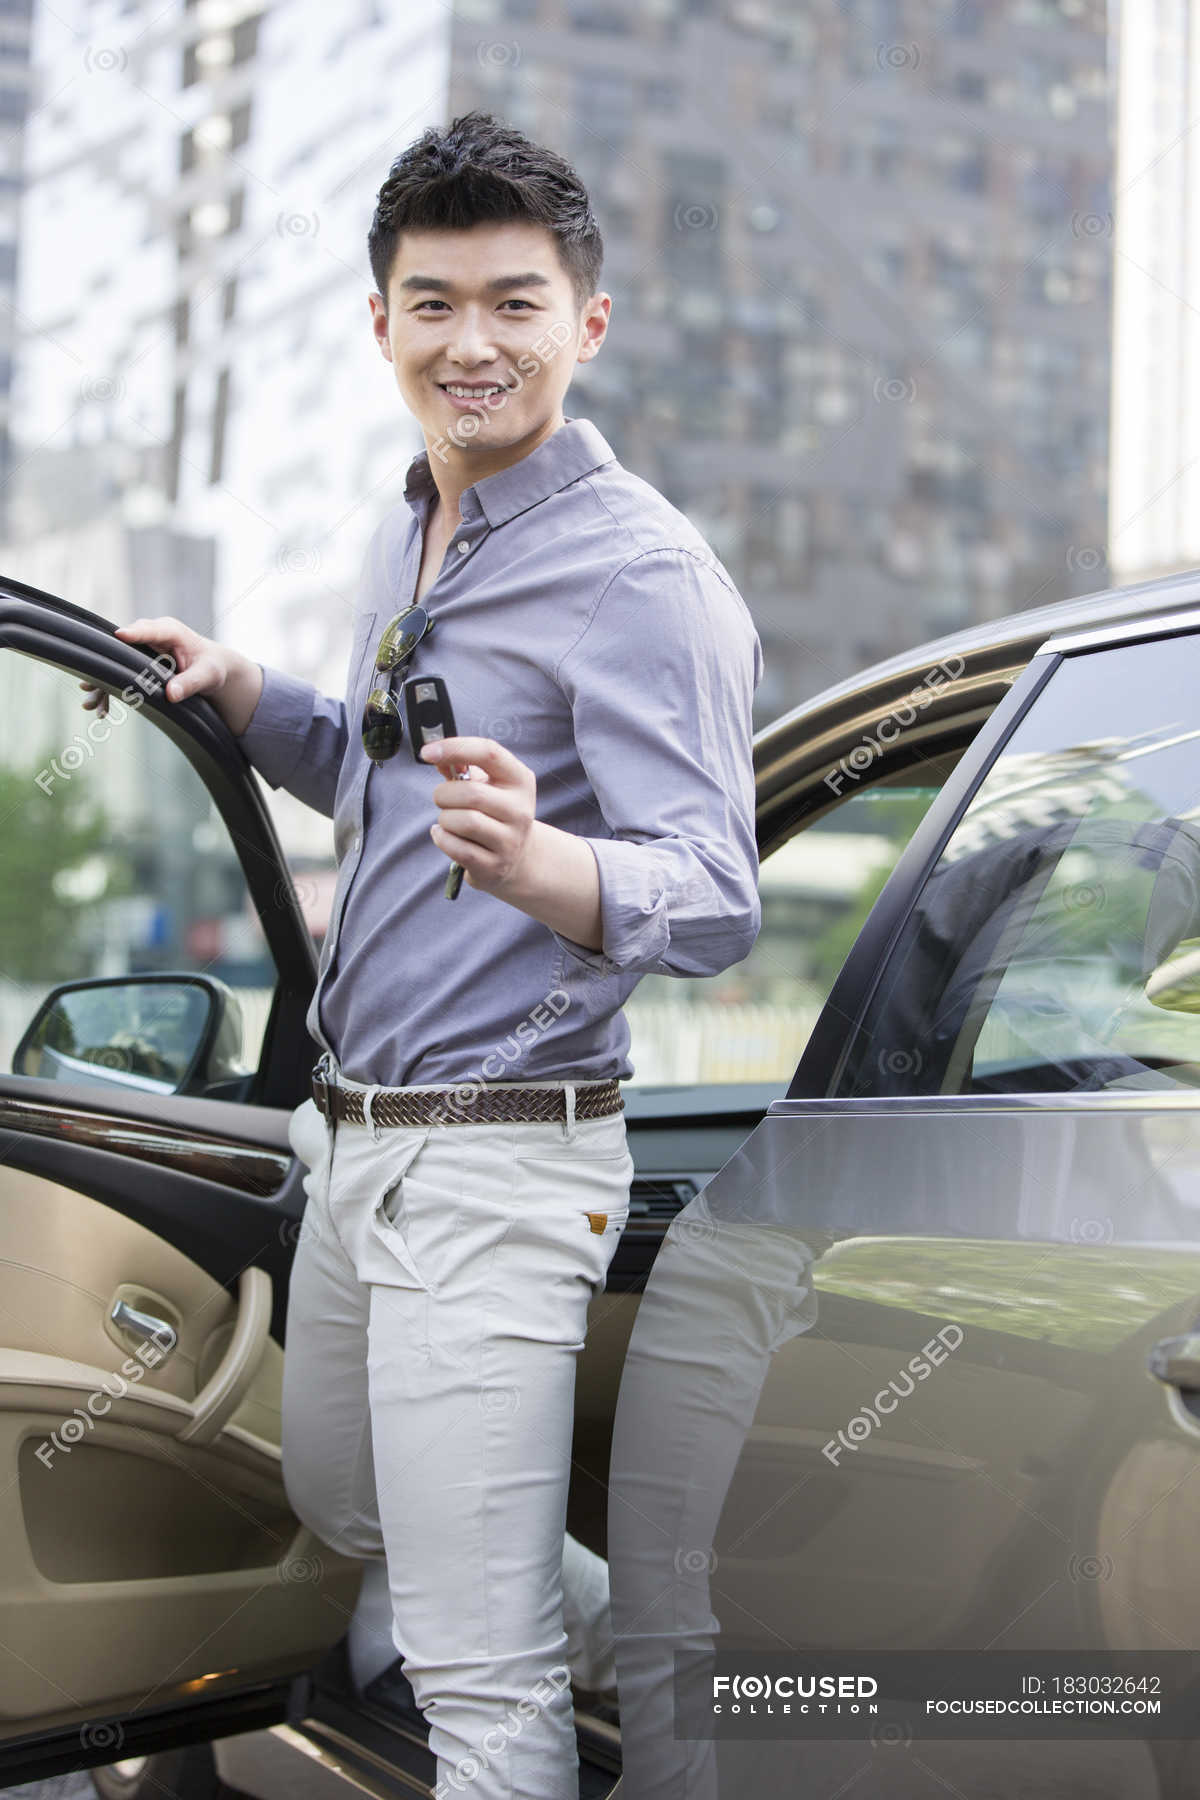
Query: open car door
x=155 y=1586
x=913 y=1394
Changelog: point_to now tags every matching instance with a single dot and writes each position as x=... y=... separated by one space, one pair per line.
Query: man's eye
x=422 y=304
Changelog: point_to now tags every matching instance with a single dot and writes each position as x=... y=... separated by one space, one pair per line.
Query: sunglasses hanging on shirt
x=382 y=721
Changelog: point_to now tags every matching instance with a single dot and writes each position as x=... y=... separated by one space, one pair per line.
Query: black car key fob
x=429 y=715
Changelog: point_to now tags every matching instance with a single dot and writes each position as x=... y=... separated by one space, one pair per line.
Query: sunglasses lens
x=402 y=637
x=382 y=726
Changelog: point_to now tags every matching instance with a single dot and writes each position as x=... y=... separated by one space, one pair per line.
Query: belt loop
x=367 y=1099
x=326 y=1071
x=569 y=1123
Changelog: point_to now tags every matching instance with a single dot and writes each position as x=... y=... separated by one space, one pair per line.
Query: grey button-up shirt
x=584 y=623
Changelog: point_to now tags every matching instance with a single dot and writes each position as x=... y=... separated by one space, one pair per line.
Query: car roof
x=957 y=680
x=1021 y=634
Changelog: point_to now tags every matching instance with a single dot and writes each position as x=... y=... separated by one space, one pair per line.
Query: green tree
x=43 y=926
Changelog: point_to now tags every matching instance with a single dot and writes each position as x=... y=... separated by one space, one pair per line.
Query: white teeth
x=466 y=393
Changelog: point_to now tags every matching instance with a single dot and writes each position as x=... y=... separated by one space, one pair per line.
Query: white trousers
x=437 y=1304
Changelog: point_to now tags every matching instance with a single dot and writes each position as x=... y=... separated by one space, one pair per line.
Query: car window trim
x=1131 y=631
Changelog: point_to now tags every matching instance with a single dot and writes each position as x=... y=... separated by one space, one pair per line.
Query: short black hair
x=481 y=171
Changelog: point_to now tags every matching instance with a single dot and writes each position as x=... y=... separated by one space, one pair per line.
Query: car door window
x=1055 y=947
x=116 y=862
x=750 y=1022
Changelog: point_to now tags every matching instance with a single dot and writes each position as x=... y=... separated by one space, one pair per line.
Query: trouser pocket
x=390 y=1223
x=568 y=1215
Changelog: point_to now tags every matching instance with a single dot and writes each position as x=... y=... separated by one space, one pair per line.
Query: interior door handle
x=226 y=1388
x=144 y=1325
x=1177 y=1360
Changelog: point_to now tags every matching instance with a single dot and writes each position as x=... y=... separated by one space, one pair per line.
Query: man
x=468 y=1166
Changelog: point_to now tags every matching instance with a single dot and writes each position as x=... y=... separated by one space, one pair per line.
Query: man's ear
x=379 y=325
x=593 y=321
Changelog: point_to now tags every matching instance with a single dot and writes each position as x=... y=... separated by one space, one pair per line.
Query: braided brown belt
x=469 y=1104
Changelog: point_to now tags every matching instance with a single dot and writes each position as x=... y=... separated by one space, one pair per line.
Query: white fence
x=752 y=1041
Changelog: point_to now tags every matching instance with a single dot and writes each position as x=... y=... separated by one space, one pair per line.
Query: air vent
x=654 y=1200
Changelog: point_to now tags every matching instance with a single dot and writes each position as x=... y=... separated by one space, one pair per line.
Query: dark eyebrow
x=530 y=278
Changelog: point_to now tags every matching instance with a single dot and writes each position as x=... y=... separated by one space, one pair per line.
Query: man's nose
x=469 y=343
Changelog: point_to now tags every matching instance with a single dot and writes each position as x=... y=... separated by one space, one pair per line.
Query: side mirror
x=159 y=1033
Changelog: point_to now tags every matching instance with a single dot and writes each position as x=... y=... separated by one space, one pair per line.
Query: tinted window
x=1055 y=946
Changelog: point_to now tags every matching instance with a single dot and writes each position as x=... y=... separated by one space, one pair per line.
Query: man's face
x=490 y=309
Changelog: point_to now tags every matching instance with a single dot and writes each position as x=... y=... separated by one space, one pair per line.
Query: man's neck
x=464 y=467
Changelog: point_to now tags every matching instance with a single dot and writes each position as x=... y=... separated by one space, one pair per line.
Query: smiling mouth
x=464 y=390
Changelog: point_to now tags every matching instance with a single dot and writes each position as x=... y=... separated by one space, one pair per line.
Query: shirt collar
x=575 y=449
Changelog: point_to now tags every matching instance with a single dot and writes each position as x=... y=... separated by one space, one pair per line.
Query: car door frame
x=197 y=729
x=239 y=1144
x=246 y=1138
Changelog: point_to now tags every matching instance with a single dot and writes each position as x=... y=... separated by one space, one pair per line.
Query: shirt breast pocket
x=361 y=661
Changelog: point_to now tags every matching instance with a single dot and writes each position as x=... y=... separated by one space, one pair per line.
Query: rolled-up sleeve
x=661 y=686
x=296 y=739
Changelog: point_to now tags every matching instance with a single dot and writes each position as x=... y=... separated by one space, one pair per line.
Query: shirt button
x=462 y=546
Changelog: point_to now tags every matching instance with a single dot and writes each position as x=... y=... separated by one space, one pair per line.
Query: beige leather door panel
x=146 y=1542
